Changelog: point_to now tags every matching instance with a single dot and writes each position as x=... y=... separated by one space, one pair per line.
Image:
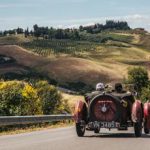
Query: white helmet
x=100 y=87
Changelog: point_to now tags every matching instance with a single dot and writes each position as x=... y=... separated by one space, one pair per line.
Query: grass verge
x=18 y=129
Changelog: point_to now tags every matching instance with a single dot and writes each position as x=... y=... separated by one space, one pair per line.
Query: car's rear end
x=108 y=111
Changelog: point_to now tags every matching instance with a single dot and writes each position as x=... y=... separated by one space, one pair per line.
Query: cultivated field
x=75 y=63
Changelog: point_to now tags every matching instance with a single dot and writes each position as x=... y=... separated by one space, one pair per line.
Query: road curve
x=66 y=139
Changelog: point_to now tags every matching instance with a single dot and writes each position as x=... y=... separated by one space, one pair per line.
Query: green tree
x=19 y=30
x=139 y=77
x=145 y=94
x=36 y=31
x=26 y=33
x=51 y=33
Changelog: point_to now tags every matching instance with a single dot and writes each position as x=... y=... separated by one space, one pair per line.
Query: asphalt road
x=66 y=139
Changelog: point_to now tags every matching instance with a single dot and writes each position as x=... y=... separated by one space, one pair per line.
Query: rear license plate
x=108 y=124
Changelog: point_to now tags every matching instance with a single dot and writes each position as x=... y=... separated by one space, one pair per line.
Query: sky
x=72 y=13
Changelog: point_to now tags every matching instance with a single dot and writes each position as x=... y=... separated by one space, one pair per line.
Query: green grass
x=14 y=39
x=119 y=37
x=104 y=36
x=133 y=62
x=19 y=129
x=145 y=41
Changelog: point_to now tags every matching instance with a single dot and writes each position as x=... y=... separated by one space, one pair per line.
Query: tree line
x=68 y=33
x=110 y=24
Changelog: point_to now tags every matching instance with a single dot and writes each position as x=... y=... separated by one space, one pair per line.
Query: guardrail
x=66 y=90
x=14 y=120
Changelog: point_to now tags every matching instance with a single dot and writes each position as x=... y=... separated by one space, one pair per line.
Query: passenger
x=100 y=88
x=108 y=88
x=119 y=88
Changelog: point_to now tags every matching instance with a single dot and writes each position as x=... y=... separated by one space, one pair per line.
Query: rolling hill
x=75 y=64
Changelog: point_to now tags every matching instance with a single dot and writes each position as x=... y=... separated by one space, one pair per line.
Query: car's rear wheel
x=138 y=129
x=80 y=129
x=146 y=130
x=96 y=130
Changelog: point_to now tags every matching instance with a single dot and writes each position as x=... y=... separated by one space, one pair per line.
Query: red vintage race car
x=147 y=117
x=112 y=110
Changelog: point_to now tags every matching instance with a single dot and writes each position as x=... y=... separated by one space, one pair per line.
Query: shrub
x=49 y=96
x=139 y=77
x=31 y=103
x=18 y=98
x=22 y=98
x=64 y=107
x=10 y=98
x=145 y=94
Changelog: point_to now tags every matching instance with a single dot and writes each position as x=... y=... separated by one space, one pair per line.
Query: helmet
x=100 y=87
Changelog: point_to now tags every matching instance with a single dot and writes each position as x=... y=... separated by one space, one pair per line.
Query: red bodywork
x=80 y=110
x=137 y=111
x=147 y=114
x=107 y=108
x=112 y=110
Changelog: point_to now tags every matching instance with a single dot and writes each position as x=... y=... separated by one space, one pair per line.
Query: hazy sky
x=72 y=13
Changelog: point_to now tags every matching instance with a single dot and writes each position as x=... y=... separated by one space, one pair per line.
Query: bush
x=64 y=107
x=10 y=98
x=145 y=94
x=31 y=103
x=22 y=98
x=49 y=96
x=139 y=77
x=18 y=98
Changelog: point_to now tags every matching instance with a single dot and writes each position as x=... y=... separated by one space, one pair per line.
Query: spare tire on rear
x=105 y=108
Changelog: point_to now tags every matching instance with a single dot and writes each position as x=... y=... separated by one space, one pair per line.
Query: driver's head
x=118 y=87
x=100 y=87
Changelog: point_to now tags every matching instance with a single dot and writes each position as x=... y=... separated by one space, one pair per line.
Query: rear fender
x=137 y=111
x=147 y=114
x=80 y=111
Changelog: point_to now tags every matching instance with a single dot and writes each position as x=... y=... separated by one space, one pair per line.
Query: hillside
x=75 y=64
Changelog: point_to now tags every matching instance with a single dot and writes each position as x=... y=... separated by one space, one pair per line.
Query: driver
x=119 y=88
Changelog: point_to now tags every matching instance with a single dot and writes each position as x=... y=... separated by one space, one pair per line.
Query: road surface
x=66 y=139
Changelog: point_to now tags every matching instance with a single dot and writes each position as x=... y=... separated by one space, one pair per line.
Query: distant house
x=140 y=30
